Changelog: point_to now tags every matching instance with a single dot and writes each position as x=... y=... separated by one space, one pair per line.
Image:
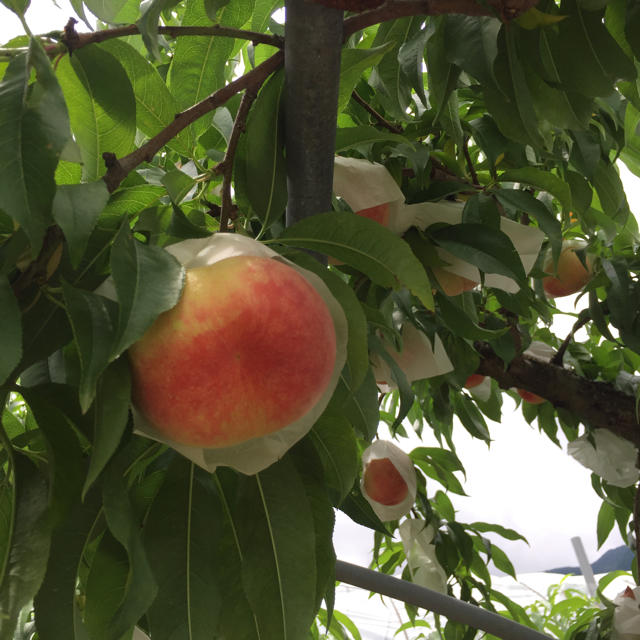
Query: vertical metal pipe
x=313 y=39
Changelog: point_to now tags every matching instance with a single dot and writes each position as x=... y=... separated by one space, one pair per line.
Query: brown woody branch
x=73 y=40
x=226 y=166
x=597 y=404
x=504 y=9
x=119 y=168
x=377 y=116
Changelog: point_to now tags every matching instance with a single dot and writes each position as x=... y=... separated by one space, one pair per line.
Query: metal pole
x=451 y=608
x=313 y=39
x=585 y=567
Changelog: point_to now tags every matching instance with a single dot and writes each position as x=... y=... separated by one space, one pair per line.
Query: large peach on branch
x=249 y=349
x=570 y=275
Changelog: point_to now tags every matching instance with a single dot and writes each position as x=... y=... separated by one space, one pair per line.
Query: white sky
x=523 y=481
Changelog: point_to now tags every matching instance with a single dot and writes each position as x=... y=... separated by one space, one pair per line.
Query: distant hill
x=612 y=560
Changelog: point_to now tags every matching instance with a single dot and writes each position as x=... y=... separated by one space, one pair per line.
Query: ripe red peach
x=379 y=214
x=249 y=348
x=474 y=380
x=383 y=482
x=530 y=397
x=571 y=275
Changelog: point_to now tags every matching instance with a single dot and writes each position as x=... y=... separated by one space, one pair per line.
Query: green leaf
x=198 y=63
x=140 y=587
x=460 y=324
x=109 y=416
x=542 y=180
x=588 y=59
x=102 y=106
x=127 y=201
x=148 y=24
x=508 y=534
x=472 y=420
x=443 y=79
x=350 y=137
x=148 y=281
x=335 y=442
x=34 y=128
x=473 y=45
x=501 y=561
x=180 y=539
x=17 y=6
x=410 y=58
x=608 y=185
x=76 y=208
x=11 y=337
x=606 y=520
x=105 y=587
x=490 y=250
x=29 y=550
x=114 y=11
x=92 y=320
x=387 y=77
x=527 y=202
x=632 y=27
x=353 y=62
x=155 y=105
x=365 y=245
x=260 y=175
x=56 y=605
x=178 y=185
x=276 y=533
x=66 y=463
x=521 y=92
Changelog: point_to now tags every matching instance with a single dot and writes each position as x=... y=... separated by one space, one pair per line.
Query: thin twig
x=584 y=318
x=381 y=119
x=467 y=157
x=392 y=9
x=226 y=166
x=75 y=41
x=119 y=168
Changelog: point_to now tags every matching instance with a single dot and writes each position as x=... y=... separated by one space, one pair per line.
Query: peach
x=530 y=397
x=249 y=348
x=474 y=380
x=571 y=275
x=379 y=214
x=451 y=283
x=383 y=482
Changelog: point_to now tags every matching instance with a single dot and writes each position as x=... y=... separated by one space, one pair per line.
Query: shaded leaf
x=76 y=208
x=148 y=281
x=11 y=336
x=366 y=245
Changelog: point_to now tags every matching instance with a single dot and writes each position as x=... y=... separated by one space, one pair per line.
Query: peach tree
x=479 y=142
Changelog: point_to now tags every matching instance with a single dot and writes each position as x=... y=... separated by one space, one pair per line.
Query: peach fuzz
x=571 y=274
x=474 y=380
x=249 y=348
x=383 y=482
x=530 y=397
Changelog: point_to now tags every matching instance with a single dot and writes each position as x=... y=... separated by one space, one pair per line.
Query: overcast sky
x=523 y=481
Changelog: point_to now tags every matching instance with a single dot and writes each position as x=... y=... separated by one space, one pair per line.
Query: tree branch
x=381 y=120
x=585 y=317
x=73 y=40
x=226 y=166
x=118 y=169
x=504 y=9
x=597 y=404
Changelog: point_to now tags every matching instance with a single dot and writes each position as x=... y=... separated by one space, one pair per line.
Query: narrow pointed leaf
x=34 y=128
x=365 y=245
x=11 y=336
x=101 y=104
x=180 y=539
x=276 y=533
x=148 y=281
x=76 y=208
